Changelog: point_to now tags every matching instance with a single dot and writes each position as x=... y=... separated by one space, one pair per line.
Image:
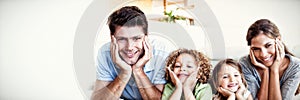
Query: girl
x=187 y=74
x=271 y=71
x=229 y=81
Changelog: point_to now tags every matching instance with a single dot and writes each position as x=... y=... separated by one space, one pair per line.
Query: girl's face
x=185 y=65
x=229 y=78
x=263 y=48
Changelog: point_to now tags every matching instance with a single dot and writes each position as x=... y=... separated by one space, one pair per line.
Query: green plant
x=171 y=17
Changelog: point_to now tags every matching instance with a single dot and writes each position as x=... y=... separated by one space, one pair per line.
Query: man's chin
x=131 y=62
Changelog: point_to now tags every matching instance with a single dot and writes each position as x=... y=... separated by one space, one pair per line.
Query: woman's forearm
x=264 y=86
x=274 y=88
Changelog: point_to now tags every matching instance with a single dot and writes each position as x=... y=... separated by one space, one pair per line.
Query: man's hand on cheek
x=114 y=51
x=146 y=57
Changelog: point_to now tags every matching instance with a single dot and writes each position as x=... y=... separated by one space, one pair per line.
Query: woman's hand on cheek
x=255 y=62
x=279 y=51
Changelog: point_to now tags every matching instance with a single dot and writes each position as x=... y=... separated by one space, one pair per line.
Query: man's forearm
x=147 y=90
x=114 y=89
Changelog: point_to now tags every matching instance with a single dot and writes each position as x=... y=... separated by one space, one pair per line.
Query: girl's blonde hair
x=201 y=61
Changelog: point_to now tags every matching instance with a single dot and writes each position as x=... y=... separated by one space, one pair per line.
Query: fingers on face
x=252 y=57
x=115 y=45
x=221 y=90
x=279 y=48
x=147 y=47
x=114 y=48
x=169 y=68
x=242 y=86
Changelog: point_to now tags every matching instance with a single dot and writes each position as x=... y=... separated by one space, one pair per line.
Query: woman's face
x=263 y=48
x=229 y=78
x=185 y=65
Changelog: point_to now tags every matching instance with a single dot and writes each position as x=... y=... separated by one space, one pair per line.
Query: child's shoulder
x=200 y=86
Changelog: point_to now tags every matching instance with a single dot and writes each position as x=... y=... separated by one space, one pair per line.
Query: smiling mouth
x=130 y=54
x=268 y=59
x=232 y=85
x=182 y=75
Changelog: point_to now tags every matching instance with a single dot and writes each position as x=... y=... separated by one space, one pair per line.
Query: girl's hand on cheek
x=240 y=92
x=225 y=92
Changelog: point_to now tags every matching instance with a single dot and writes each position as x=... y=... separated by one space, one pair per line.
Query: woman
x=271 y=71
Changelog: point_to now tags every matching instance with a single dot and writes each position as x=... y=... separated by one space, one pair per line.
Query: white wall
x=235 y=17
x=36 y=41
x=36 y=49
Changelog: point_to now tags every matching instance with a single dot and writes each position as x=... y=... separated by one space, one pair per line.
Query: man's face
x=130 y=42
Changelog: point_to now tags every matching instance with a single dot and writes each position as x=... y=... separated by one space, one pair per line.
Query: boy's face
x=185 y=65
x=229 y=78
x=130 y=42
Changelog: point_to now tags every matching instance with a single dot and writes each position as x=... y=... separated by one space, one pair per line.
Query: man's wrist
x=138 y=70
x=125 y=74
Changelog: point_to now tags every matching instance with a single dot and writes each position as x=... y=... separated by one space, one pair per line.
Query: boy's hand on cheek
x=175 y=80
x=191 y=81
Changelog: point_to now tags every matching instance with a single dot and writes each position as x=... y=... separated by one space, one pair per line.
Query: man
x=129 y=67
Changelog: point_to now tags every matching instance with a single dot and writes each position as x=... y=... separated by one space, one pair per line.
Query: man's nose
x=130 y=44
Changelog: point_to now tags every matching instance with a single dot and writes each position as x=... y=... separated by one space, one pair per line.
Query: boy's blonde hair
x=201 y=61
